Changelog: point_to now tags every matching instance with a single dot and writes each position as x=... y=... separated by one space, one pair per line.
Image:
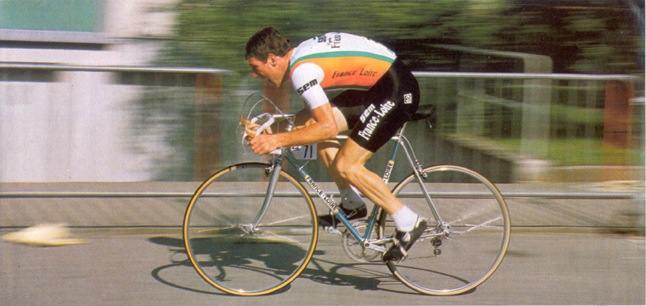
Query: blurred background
x=150 y=90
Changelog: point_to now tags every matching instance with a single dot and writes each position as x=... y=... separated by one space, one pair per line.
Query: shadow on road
x=363 y=276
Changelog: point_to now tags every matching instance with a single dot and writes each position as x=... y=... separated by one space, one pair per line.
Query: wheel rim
x=221 y=244
x=480 y=224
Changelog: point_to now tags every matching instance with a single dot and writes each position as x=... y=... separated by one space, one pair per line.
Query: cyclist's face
x=266 y=71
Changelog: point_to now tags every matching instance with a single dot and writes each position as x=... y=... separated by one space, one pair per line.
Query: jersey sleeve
x=307 y=79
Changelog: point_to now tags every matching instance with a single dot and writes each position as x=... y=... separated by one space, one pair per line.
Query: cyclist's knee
x=345 y=169
x=350 y=160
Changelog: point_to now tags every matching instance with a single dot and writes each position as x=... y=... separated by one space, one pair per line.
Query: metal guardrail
x=579 y=195
x=112 y=68
x=535 y=108
x=528 y=76
x=480 y=75
x=179 y=71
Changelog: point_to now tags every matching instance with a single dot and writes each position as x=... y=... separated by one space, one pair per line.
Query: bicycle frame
x=400 y=141
x=488 y=220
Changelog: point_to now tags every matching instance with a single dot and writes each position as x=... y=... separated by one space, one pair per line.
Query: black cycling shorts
x=374 y=116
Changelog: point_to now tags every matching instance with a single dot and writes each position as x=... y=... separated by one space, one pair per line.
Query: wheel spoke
x=467 y=247
x=232 y=254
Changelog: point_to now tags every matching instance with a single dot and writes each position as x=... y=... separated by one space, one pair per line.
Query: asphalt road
x=148 y=267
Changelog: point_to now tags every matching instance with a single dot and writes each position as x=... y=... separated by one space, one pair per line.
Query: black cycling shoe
x=352 y=214
x=404 y=241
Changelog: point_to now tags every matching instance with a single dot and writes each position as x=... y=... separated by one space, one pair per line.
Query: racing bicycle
x=251 y=228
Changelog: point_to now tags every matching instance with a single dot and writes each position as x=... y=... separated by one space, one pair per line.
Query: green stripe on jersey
x=342 y=54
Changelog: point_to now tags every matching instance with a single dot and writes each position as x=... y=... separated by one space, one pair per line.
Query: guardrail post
x=639 y=141
x=617 y=126
x=537 y=94
x=535 y=120
x=208 y=139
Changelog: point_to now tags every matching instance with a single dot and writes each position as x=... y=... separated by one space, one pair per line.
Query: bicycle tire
x=472 y=248
x=229 y=252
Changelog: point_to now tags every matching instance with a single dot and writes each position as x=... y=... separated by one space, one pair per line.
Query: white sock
x=405 y=219
x=350 y=198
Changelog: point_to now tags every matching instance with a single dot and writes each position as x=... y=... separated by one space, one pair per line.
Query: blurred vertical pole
x=617 y=127
x=536 y=108
x=3 y=101
x=638 y=139
x=208 y=137
x=280 y=97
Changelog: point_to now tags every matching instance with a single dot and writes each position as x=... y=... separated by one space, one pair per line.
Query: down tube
x=331 y=205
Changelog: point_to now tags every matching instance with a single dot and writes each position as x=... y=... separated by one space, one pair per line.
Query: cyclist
x=378 y=95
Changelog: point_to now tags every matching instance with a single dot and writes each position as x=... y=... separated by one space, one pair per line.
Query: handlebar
x=262 y=123
x=247 y=124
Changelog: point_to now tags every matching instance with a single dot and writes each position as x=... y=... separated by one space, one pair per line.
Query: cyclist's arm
x=324 y=128
x=307 y=79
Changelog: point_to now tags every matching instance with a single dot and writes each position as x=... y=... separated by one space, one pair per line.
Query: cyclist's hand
x=251 y=128
x=264 y=143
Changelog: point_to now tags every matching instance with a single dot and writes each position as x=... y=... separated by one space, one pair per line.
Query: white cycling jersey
x=336 y=61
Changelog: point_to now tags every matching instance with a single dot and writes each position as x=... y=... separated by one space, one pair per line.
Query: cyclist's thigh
x=304 y=118
x=379 y=125
x=390 y=102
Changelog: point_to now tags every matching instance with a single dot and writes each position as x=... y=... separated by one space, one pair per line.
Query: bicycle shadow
x=277 y=260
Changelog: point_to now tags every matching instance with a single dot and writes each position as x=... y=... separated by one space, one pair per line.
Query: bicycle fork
x=274 y=169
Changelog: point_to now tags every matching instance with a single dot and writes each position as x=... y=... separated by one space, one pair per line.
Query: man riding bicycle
x=378 y=95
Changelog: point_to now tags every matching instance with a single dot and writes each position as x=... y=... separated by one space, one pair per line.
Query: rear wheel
x=241 y=246
x=465 y=245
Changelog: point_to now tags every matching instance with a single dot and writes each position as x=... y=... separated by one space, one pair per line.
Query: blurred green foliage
x=582 y=36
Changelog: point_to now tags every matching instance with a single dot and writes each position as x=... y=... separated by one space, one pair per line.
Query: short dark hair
x=266 y=41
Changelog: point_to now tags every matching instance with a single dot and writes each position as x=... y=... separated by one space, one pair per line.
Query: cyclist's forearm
x=323 y=128
x=308 y=135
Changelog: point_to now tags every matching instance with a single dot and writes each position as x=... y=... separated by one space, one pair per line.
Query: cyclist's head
x=266 y=41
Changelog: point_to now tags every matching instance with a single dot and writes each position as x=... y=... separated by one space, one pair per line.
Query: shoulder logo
x=307 y=86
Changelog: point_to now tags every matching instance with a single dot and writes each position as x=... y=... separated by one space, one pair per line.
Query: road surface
x=148 y=266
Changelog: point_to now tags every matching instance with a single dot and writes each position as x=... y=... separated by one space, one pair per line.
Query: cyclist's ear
x=272 y=59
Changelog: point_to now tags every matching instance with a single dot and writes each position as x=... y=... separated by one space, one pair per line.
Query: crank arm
x=377 y=247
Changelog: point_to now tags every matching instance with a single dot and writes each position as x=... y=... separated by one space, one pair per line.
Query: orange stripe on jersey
x=348 y=71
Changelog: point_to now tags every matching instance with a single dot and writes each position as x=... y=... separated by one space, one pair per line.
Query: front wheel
x=467 y=236
x=243 y=242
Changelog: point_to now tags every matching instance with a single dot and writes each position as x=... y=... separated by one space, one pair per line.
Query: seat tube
x=420 y=180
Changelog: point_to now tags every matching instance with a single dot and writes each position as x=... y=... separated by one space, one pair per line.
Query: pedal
x=396 y=253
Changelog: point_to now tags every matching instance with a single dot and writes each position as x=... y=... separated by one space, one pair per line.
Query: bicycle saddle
x=425 y=112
